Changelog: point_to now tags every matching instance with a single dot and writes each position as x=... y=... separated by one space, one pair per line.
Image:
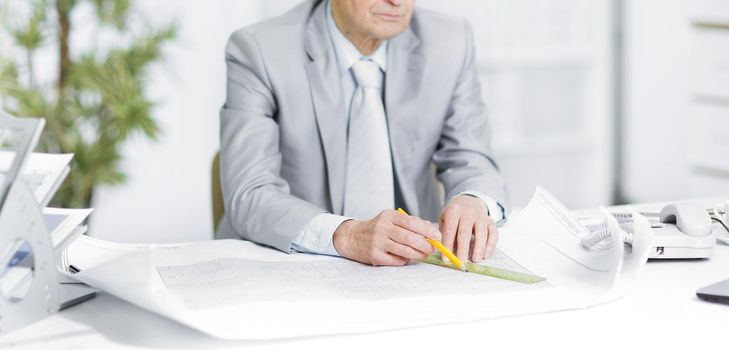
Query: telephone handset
x=685 y=233
x=688 y=218
x=682 y=231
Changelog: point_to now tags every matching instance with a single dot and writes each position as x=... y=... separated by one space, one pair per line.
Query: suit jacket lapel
x=324 y=84
x=402 y=90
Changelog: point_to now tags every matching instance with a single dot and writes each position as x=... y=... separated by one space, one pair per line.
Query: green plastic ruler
x=487 y=270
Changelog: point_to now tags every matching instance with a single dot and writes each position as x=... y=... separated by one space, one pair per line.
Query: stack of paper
x=43 y=174
x=239 y=290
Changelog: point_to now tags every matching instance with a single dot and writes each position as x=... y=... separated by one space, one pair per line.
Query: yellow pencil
x=442 y=249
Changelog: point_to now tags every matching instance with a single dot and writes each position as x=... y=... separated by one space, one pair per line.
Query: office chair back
x=217 y=194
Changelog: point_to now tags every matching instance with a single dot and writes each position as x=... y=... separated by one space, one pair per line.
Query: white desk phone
x=682 y=231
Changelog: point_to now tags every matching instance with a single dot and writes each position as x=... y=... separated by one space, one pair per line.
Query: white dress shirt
x=316 y=236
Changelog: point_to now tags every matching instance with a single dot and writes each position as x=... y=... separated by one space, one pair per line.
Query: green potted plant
x=96 y=99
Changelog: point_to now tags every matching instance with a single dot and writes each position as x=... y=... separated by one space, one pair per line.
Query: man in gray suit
x=335 y=114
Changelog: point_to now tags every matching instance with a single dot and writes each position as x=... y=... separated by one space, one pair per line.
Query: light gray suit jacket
x=283 y=125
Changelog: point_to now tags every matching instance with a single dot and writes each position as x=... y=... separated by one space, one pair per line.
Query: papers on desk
x=65 y=225
x=239 y=290
x=43 y=173
x=553 y=237
x=236 y=281
x=28 y=181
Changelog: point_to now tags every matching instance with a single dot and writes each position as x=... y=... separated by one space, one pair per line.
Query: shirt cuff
x=496 y=210
x=316 y=237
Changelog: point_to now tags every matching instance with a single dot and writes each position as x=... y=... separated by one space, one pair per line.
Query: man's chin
x=388 y=31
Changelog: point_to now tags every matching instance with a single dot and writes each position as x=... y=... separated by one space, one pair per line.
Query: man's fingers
x=387 y=259
x=492 y=240
x=412 y=240
x=417 y=225
x=403 y=251
x=463 y=237
x=479 y=245
x=448 y=226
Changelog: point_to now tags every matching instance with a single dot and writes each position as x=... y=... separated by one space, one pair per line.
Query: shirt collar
x=347 y=53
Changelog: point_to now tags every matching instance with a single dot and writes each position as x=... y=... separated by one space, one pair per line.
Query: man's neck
x=365 y=44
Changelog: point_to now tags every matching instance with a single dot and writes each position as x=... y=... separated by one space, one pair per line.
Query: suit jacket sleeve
x=463 y=157
x=258 y=202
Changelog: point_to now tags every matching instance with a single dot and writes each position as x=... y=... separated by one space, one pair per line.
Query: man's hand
x=467 y=227
x=390 y=238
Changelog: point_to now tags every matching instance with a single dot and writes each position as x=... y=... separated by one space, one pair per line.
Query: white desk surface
x=661 y=312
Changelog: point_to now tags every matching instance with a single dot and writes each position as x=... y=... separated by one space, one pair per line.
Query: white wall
x=545 y=68
x=676 y=143
x=655 y=98
x=167 y=197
